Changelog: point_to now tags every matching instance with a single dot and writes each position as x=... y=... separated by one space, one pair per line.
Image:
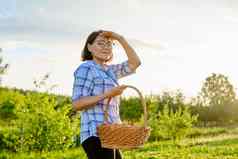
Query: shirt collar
x=106 y=70
x=99 y=66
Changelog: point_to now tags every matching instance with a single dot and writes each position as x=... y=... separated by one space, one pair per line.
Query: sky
x=180 y=43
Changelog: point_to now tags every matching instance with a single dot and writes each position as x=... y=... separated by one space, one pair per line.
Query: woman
x=94 y=82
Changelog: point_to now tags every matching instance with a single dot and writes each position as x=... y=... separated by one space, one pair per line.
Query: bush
x=175 y=125
x=153 y=122
x=9 y=100
x=41 y=127
x=131 y=109
x=171 y=125
x=9 y=139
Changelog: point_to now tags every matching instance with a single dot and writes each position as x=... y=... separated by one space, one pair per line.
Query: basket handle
x=142 y=102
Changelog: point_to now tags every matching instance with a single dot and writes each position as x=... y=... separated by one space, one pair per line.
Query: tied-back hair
x=86 y=54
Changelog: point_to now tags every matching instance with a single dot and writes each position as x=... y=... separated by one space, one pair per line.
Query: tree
x=2 y=68
x=174 y=100
x=197 y=108
x=217 y=90
x=219 y=94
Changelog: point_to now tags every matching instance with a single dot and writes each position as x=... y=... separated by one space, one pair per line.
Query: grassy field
x=213 y=143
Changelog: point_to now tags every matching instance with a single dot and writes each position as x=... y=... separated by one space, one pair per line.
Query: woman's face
x=101 y=48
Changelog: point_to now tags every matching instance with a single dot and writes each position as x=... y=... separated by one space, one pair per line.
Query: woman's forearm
x=87 y=102
x=133 y=59
x=90 y=101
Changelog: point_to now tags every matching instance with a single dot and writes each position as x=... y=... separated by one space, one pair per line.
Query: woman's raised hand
x=111 y=35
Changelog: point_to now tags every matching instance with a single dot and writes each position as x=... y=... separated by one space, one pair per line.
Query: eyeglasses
x=103 y=44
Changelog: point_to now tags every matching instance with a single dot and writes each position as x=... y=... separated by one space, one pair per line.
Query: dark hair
x=86 y=54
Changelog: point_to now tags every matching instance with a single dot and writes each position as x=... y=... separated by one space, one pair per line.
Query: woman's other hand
x=115 y=91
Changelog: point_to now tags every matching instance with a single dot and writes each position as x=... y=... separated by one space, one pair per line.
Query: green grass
x=218 y=147
x=223 y=146
x=209 y=131
x=76 y=153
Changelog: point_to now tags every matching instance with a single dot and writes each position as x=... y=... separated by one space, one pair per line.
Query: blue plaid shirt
x=90 y=79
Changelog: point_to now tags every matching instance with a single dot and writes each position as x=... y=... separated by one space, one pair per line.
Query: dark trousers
x=92 y=147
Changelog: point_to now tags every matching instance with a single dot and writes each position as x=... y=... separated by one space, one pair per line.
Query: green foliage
x=217 y=90
x=131 y=109
x=153 y=122
x=174 y=100
x=169 y=116
x=223 y=146
x=219 y=94
x=9 y=101
x=234 y=111
x=36 y=121
x=41 y=127
x=215 y=115
x=33 y=121
x=176 y=125
x=172 y=125
x=9 y=138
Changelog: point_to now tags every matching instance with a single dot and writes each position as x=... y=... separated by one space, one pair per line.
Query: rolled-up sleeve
x=83 y=83
x=121 y=70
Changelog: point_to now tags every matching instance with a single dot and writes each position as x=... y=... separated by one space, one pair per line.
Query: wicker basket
x=124 y=136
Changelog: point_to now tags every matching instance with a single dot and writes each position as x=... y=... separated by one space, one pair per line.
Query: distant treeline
x=30 y=120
